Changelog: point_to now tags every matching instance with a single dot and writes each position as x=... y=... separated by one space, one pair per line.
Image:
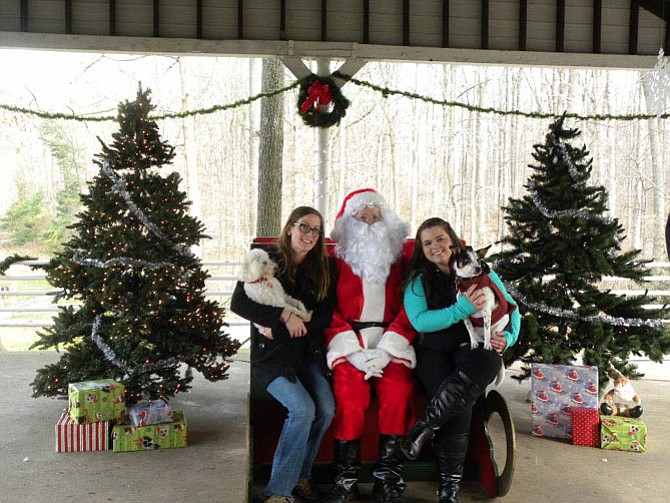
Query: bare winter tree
x=270 y=150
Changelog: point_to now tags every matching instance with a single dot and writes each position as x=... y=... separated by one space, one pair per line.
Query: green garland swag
x=310 y=87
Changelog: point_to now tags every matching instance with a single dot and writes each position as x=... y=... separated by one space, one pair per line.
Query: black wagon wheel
x=495 y=403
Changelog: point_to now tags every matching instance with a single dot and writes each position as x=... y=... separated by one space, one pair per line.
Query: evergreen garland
x=341 y=100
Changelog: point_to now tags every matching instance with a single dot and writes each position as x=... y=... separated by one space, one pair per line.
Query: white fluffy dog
x=260 y=284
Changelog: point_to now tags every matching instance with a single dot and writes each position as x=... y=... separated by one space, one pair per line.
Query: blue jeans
x=310 y=406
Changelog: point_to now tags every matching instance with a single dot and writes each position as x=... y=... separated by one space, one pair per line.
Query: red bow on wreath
x=319 y=95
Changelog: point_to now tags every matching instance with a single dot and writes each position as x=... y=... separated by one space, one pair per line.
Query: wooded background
x=426 y=159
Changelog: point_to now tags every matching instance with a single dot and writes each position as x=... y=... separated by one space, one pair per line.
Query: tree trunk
x=190 y=152
x=657 y=174
x=270 y=150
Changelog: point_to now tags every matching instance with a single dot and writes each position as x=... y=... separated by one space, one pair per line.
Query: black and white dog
x=470 y=269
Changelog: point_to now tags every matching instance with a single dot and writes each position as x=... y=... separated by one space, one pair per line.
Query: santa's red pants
x=395 y=396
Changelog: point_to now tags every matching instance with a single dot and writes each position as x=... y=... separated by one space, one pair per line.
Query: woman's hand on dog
x=295 y=325
x=498 y=342
x=476 y=296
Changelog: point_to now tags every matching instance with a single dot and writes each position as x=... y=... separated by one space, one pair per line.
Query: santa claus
x=369 y=342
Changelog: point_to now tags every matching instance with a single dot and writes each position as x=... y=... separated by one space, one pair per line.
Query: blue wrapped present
x=556 y=390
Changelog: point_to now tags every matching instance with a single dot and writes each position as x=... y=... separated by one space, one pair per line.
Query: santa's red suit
x=370 y=315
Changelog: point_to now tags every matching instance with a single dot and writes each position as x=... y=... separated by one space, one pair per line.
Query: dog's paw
x=474 y=344
x=488 y=346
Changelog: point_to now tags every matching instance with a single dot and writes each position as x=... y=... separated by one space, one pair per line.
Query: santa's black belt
x=360 y=325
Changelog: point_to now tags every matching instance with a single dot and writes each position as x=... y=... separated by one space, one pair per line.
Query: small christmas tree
x=142 y=311
x=560 y=246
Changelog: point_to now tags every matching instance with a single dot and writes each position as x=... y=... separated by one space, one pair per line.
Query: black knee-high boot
x=387 y=472
x=450 y=452
x=348 y=466
x=453 y=396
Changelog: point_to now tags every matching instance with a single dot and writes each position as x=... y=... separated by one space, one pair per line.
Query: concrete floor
x=214 y=468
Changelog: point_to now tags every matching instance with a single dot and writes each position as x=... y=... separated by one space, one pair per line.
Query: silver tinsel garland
x=79 y=257
x=551 y=214
x=565 y=313
x=118 y=183
x=112 y=357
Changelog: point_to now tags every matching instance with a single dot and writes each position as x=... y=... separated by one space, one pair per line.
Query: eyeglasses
x=306 y=229
x=368 y=219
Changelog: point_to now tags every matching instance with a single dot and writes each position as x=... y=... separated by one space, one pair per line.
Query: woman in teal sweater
x=452 y=374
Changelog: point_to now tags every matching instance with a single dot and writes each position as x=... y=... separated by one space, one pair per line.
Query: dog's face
x=467 y=263
x=256 y=265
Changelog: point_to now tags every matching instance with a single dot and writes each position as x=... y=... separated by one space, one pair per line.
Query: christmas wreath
x=317 y=96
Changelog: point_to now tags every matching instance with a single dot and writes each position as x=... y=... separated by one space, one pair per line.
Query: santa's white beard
x=370 y=250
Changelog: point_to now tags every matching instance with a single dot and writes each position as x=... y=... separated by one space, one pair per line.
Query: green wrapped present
x=623 y=434
x=94 y=401
x=127 y=438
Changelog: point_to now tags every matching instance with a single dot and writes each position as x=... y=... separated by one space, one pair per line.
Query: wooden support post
x=322 y=139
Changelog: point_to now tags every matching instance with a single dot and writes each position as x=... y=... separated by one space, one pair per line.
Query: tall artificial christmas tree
x=140 y=313
x=560 y=246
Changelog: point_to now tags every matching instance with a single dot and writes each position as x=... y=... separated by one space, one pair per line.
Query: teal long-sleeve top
x=426 y=320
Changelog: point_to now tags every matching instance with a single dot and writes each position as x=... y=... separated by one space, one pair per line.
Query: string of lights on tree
x=142 y=311
x=321 y=103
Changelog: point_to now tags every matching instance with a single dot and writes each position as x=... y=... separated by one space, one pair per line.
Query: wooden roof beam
x=23 y=15
x=68 y=17
x=485 y=24
x=523 y=24
x=445 y=23
x=597 y=26
x=157 y=18
x=324 y=19
x=112 y=17
x=633 y=23
x=560 y=25
x=659 y=8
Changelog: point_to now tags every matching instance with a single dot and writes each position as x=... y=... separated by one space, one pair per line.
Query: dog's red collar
x=259 y=280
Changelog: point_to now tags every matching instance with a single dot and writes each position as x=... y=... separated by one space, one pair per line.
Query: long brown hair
x=419 y=264
x=316 y=261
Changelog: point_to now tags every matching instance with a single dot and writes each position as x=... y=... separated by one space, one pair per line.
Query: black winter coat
x=282 y=355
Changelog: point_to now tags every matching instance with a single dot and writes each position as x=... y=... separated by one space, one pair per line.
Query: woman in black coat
x=288 y=353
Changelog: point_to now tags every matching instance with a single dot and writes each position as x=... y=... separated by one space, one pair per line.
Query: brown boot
x=306 y=489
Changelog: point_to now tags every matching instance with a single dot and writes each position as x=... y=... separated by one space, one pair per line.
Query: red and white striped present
x=74 y=437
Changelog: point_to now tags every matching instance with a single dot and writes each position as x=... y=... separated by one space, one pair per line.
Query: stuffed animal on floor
x=621 y=400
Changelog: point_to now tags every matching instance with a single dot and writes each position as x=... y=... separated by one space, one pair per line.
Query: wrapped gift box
x=585 y=427
x=150 y=412
x=93 y=401
x=127 y=438
x=623 y=434
x=74 y=437
x=556 y=391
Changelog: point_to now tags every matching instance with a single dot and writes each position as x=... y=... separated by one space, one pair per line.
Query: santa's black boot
x=387 y=472
x=454 y=395
x=450 y=452
x=348 y=466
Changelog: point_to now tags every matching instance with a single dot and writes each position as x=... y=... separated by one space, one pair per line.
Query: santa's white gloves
x=378 y=359
x=358 y=359
x=370 y=361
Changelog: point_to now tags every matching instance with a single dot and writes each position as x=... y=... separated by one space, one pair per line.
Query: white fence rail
x=26 y=300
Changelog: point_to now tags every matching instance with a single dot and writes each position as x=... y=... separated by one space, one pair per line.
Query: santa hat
x=359 y=199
